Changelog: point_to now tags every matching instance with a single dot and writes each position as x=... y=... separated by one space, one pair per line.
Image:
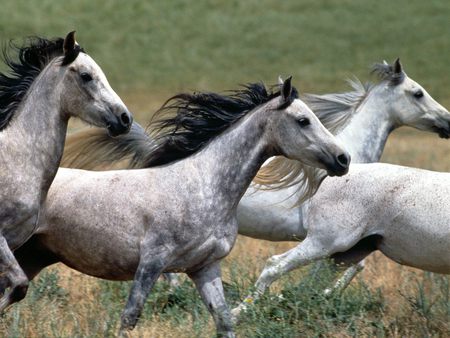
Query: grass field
x=150 y=50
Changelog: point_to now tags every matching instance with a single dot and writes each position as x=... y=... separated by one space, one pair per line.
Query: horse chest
x=204 y=251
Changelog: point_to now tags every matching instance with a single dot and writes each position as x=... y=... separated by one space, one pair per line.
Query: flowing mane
x=181 y=127
x=187 y=122
x=334 y=111
x=32 y=58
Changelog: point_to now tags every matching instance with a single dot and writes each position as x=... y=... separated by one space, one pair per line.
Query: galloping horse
x=51 y=81
x=181 y=215
x=396 y=101
x=401 y=211
x=363 y=119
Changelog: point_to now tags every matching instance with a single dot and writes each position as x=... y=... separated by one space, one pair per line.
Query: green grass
x=168 y=46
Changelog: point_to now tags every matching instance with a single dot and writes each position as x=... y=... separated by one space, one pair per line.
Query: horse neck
x=230 y=162
x=38 y=130
x=366 y=135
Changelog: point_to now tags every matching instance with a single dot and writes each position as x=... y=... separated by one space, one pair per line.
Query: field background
x=150 y=50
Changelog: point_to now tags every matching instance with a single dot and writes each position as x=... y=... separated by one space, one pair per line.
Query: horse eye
x=303 y=122
x=418 y=94
x=86 y=77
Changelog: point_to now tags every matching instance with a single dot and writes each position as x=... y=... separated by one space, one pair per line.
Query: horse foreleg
x=278 y=265
x=12 y=275
x=149 y=269
x=208 y=281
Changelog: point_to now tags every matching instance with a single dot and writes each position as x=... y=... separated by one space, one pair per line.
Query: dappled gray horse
x=51 y=81
x=363 y=119
x=177 y=217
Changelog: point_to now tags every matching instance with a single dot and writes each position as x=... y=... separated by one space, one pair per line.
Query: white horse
x=401 y=211
x=376 y=111
x=395 y=102
x=177 y=217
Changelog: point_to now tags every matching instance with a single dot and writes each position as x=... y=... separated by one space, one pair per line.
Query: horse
x=400 y=211
x=396 y=101
x=50 y=81
x=368 y=115
x=179 y=214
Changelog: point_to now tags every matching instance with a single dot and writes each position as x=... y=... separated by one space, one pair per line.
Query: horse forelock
x=187 y=122
x=31 y=58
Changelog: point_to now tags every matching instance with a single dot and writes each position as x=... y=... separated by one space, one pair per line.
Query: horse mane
x=32 y=57
x=187 y=122
x=334 y=111
x=181 y=127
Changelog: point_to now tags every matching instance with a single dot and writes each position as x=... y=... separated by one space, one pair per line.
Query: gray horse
x=180 y=216
x=51 y=81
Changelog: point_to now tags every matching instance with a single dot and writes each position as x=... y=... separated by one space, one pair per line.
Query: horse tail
x=94 y=149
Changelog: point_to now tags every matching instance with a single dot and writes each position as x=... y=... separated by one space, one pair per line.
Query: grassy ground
x=150 y=50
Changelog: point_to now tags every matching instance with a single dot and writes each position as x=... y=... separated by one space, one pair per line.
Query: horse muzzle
x=340 y=165
x=442 y=132
x=121 y=125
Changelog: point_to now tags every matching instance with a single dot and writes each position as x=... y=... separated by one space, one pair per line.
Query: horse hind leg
x=12 y=276
x=355 y=258
x=173 y=280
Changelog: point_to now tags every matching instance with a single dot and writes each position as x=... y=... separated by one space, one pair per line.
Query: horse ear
x=286 y=89
x=398 y=75
x=71 y=49
x=398 y=66
x=69 y=42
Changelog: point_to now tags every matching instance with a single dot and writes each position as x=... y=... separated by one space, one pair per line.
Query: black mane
x=32 y=58
x=199 y=117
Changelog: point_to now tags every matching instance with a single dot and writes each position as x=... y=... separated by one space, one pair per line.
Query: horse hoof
x=327 y=292
x=124 y=333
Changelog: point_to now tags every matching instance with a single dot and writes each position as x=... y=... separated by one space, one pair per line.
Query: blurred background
x=151 y=50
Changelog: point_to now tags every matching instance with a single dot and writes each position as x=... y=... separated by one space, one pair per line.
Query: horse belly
x=423 y=245
x=101 y=254
x=105 y=265
x=269 y=215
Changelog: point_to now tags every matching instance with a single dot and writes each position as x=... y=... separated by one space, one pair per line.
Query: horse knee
x=273 y=261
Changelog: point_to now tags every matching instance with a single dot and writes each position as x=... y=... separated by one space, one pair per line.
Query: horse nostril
x=125 y=119
x=343 y=160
